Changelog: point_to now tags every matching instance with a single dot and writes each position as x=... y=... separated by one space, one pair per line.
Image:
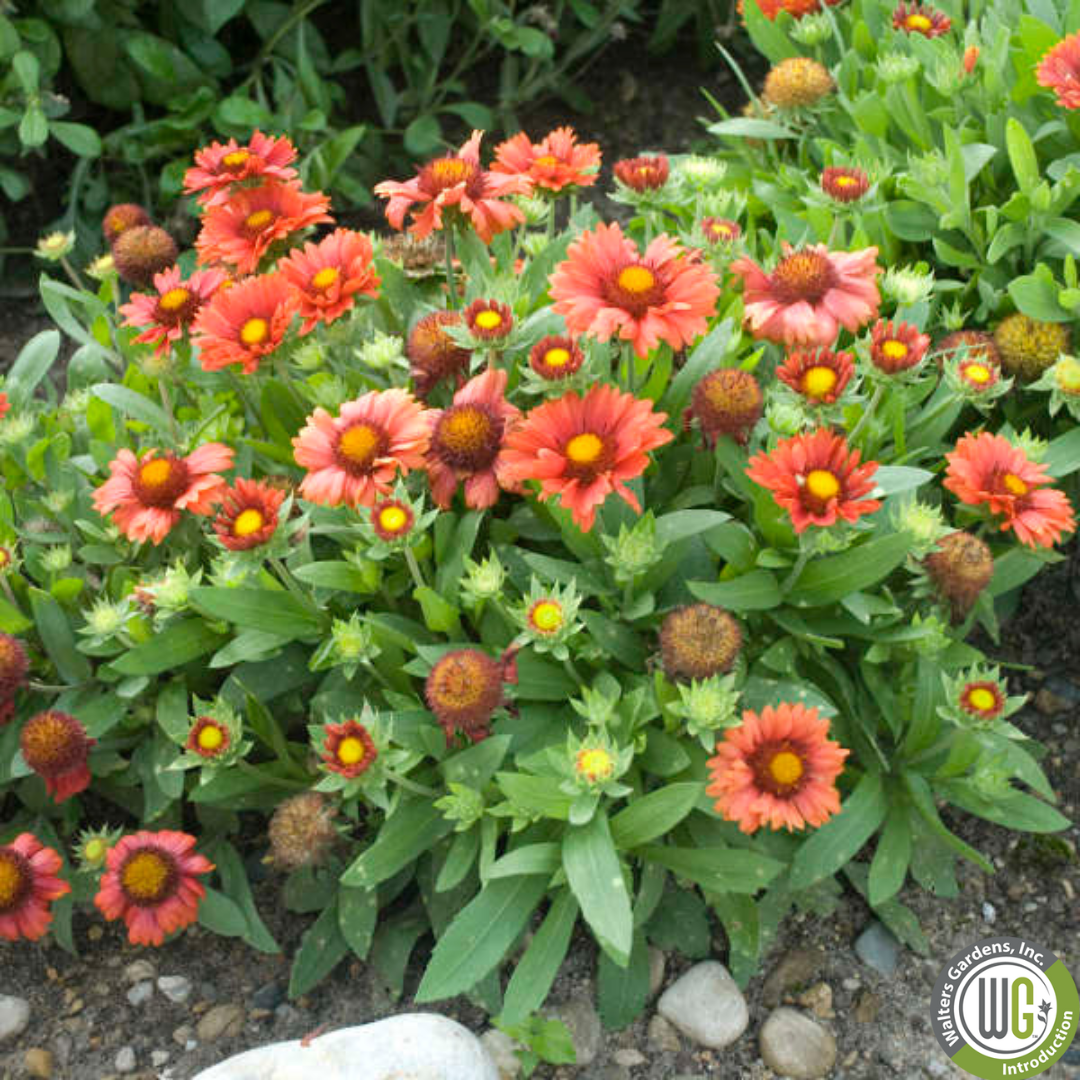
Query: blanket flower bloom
x=844 y=184
x=810 y=295
x=643 y=173
x=240 y=232
x=244 y=323
x=354 y=457
x=152 y=882
x=166 y=314
x=489 y=320
x=817 y=478
x=556 y=357
x=328 y=275
x=607 y=289
x=55 y=745
x=727 y=401
x=459 y=186
x=220 y=165
x=557 y=162
x=28 y=886
x=463 y=690
x=349 y=749
x=583 y=448
x=819 y=375
x=1059 y=70
x=986 y=469
x=209 y=738
x=467 y=442
x=249 y=514
x=920 y=19
x=433 y=354
x=778 y=768
x=721 y=230
x=896 y=347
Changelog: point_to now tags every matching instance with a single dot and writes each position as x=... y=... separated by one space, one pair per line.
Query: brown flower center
x=160 y=481
x=461 y=683
x=359 y=446
x=148 y=877
x=52 y=742
x=467 y=437
x=804 y=275
x=16 y=879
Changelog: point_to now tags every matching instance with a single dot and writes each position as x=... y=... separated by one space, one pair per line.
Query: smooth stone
x=629 y=1057
x=583 y=1023
x=269 y=996
x=38 y=1063
x=663 y=1036
x=793 y=1045
x=877 y=948
x=159 y=1058
x=607 y=1072
x=125 y=1060
x=176 y=988
x=141 y=993
x=657 y=967
x=411 y=1046
x=14 y=1016
x=220 y=1020
x=139 y=971
x=706 y=1005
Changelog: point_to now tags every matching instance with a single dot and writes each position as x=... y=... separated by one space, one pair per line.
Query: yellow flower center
x=392 y=518
x=360 y=443
x=5 y=557
x=719 y=229
x=247 y=522
x=845 y=181
x=595 y=763
x=977 y=373
x=156 y=473
x=465 y=428
x=585 y=448
x=636 y=279
x=488 y=319
x=11 y=881
x=982 y=699
x=174 y=299
x=894 y=350
x=786 y=768
x=211 y=737
x=351 y=751
x=1014 y=485
x=259 y=219
x=145 y=875
x=254 y=332
x=1068 y=375
x=547 y=616
x=95 y=850
x=557 y=357
x=235 y=159
x=919 y=22
x=819 y=381
x=325 y=277
x=547 y=160
x=822 y=484
x=450 y=170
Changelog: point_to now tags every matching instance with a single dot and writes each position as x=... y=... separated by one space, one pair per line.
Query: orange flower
x=28 y=886
x=151 y=881
x=328 y=275
x=248 y=514
x=244 y=322
x=147 y=496
x=355 y=457
x=919 y=19
x=240 y=232
x=219 y=166
x=467 y=442
x=777 y=769
x=459 y=186
x=606 y=289
x=816 y=478
x=1059 y=70
x=583 y=448
x=55 y=745
x=349 y=749
x=5 y=408
x=987 y=469
x=843 y=184
x=167 y=314
x=489 y=320
x=971 y=58
x=820 y=376
x=556 y=357
x=896 y=347
x=798 y=8
x=643 y=173
x=463 y=690
x=810 y=295
x=558 y=161
x=433 y=354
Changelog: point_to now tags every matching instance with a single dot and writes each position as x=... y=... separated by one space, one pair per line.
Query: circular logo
x=1005 y=1007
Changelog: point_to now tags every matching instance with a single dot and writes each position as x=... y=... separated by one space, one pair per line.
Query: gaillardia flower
x=971 y=343
x=168 y=312
x=28 y=886
x=349 y=749
x=249 y=513
x=896 y=347
x=302 y=831
x=777 y=769
x=143 y=251
x=463 y=690
x=811 y=294
x=55 y=745
x=1059 y=70
x=817 y=478
x=433 y=354
x=147 y=496
x=820 y=375
x=960 y=567
x=392 y=519
x=728 y=401
x=557 y=162
x=208 y=737
x=457 y=186
x=988 y=470
x=121 y=217
x=920 y=19
x=720 y=230
x=983 y=700
x=594 y=764
x=583 y=448
x=699 y=641
x=328 y=276
x=240 y=231
x=152 y=882
x=354 y=457
x=797 y=82
x=488 y=320
x=1028 y=346
x=607 y=289
x=643 y=173
x=14 y=666
x=844 y=184
x=555 y=357
x=220 y=165
x=244 y=323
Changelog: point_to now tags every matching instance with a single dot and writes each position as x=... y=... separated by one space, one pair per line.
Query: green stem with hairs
x=451 y=286
x=869 y=411
x=410 y=785
x=414 y=568
x=167 y=405
x=796 y=570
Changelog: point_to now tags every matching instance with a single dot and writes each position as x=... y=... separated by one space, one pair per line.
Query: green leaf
x=27 y=71
x=176 y=645
x=409 y=831
x=595 y=875
x=394 y=942
x=760 y=691
x=30 y=367
x=891 y=479
x=1015 y=811
x=12 y=620
x=480 y=936
x=322 y=948
x=439 y=616
x=1036 y=295
x=212 y=15
x=358 y=910
x=1062 y=456
x=542 y=858
x=615 y=638
x=742 y=925
x=716 y=869
x=685 y=523
x=824 y=581
x=260 y=609
x=234 y=884
x=681 y=921
x=335 y=575
x=132 y=404
x=56 y=635
x=754 y=591
x=80 y=139
x=219 y=914
x=840 y=838
x=653 y=815
x=1025 y=164
x=623 y=992
x=423 y=136
x=892 y=857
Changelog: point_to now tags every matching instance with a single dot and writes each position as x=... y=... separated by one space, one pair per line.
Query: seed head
x=302 y=831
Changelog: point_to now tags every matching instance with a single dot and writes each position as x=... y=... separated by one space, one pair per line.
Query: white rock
x=412 y=1046
x=139 y=970
x=141 y=993
x=159 y=1058
x=175 y=987
x=501 y=1048
x=706 y=1005
x=125 y=1060
x=14 y=1016
x=793 y=1045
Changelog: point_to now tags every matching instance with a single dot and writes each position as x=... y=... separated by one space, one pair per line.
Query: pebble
x=663 y=1036
x=877 y=948
x=629 y=1057
x=14 y=1016
x=867 y=1007
x=989 y=913
x=581 y=1020
x=183 y=1035
x=818 y=999
x=706 y=1005
x=796 y=968
x=851 y=983
x=500 y=1048
x=795 y=1046
x=221 y=1020
x=286 y=1013
x=38 y=1063
x=176 y=988
x=657 y=967
x=159 y=1058
x=410 y=1044
x=139 y=971
x=141 y=993
x=1050 y=704
x=269 y=996
x=125 y=1060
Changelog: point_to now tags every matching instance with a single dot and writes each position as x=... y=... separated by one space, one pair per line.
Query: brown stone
x=796 y=969
x=221 y=1020
x=867 y=1007
x=818 y=999
x=38 y=1062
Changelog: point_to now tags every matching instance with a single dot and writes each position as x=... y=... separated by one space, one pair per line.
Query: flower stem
x=451 y=285
x=167 y=405
x=796 y=570
x=875 y=400
x=414 y=568
x=70 y=271
x=410 y=785
x=290 y=583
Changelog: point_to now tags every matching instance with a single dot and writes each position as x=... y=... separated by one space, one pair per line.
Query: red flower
x=55 y=745
x=459 y=186
x=121 y=217
x=820 y=376
x=433 y=354
x=151 y=881
x=798 y=8
x=28 y=886
x=167 y=314
x=971 y=58
x=349 y=749
x=557 y=162
x=244 y=323
x=5 y=405
x=240 y=231
x=726 y=402
x=489 y=320
x=209 y=738
x=219 y=166
x=777 y=769
x=467 y=442
x=328 y=275
x=988 y=470
x=919 y=19
x=606 y=289
x=897 y=347
x=643 y=173
x=556 y=357
x=463 y=690
x=816 y=478
x=844 y=185
x=249 y=514
x=583 y=448
x=147 y=496
x=1059 y=70
x=720 y=230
